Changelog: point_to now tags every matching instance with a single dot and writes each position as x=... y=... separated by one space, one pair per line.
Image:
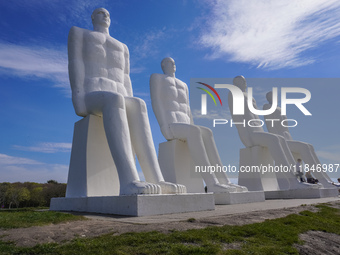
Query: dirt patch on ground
x=95 y=227
x=319 y=243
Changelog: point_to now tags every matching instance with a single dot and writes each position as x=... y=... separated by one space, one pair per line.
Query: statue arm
x=127 y=80
x=76 y=70
x=189 y=109
x=157 y=99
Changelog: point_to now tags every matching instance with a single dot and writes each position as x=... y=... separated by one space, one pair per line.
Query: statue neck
x=171 y=75
x=101 y=29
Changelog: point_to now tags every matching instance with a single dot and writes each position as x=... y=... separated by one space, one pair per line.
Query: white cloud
x=330 y=153
x=270 y=34
x=211 y=114
x=147 y=44
x=6 y=160
x=136 y=70
x=16 y=169
x=35 y=62
x=333 y=156
x=46 y=147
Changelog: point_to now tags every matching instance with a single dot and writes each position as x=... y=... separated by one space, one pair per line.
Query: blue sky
x=207 y=39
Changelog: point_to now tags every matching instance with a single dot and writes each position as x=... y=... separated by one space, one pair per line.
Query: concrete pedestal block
x=256 y=181
x=239 y=197
x=92 y=170
x=301 y=193
x=136 y=205
x=177 y=166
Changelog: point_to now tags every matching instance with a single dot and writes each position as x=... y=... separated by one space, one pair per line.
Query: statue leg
x=214 y=158
x=142 y=142
x=111 y=107
x=286 y=150
x=277 y=147
x=306 y=152
x=325 y=175
x=192 y=134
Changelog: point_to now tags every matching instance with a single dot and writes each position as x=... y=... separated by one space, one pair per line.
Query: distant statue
x=254 y=135
x=170 y=102
x=99 y=75
x=306 y=150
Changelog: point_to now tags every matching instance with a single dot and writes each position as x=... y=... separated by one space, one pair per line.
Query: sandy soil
x=314 y=241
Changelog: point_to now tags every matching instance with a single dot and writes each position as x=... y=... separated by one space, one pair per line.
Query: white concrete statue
x=170 y=103
x=99 y=76
x=256 y=136
x=306 y=150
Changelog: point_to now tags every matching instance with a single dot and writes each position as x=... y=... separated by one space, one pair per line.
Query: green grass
x=269 y=237
x=28 y=217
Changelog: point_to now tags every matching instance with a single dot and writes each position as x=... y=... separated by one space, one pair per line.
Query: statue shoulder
x=181 y=82
x=155 y=78
x=125 y=47
x=266 y=106
x=77 y=31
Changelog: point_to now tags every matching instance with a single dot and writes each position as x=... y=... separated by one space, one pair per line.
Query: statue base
x=239 y=197
x=178 y=167
x=136 y=205
x=301 y=193
x=255 y=180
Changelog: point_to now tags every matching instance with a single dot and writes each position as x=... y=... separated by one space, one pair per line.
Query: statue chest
x=175 y=90
x=99 y=47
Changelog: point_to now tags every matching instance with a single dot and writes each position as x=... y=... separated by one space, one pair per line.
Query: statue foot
x=171 y=188
x=220 y=188
x=139 y=187
x=238 y=187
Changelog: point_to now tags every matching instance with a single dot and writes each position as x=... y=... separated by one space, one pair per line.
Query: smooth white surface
x=99 y=75
x=177 y=165
x=256 y=181
x=302 y=193
x=255 y=136
x=170 y=103
x=92 y=171
x=137 y=205
x=299 y=149
x=239 y=197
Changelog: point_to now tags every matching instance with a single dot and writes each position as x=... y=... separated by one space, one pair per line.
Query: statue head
x=101 y=17
x=269 y=97
x=240 y=82
x=168 y=66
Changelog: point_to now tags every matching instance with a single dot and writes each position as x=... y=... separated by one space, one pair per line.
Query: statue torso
x=245 y=130
x=104 y=62
x=176 y=102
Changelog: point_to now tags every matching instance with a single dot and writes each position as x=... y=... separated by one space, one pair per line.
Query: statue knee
x=275 y=139
x=137 y=103
x=206 y=132
x=114 y=100
x=195 y=131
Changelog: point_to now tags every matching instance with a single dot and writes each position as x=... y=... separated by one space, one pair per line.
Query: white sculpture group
x=101 y=86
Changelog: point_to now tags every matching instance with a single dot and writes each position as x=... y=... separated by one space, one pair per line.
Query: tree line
x=30 y=194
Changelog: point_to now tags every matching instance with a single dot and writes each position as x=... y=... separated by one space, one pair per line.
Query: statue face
x=169 y=66
x=101 y=17
x=240 y=82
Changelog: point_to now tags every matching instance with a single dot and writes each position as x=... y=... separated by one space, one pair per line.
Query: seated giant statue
x=170 y=102
x=305 y=150
x=254 y=135
x=100 y=81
